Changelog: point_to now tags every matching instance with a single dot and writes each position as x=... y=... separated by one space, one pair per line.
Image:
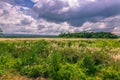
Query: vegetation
x=1 y=31
x=89 y=35
x=61 y=60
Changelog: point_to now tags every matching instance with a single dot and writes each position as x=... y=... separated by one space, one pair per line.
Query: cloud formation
x=12 y=20
x=76 y=12
x=51 y=17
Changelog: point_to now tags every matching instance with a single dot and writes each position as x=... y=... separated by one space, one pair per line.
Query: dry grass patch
x=19 y=78
x=116 y=57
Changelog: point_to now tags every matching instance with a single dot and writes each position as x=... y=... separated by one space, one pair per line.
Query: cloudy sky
x=51 y=17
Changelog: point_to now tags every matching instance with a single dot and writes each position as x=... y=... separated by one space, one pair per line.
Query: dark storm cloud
x=89 y=11
x=40 y=27
x=50 y=10
x=25 y=22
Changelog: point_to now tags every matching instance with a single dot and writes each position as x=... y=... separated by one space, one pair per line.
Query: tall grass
x=61 y=60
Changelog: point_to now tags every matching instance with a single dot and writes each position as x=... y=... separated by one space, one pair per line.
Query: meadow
x=59 y=59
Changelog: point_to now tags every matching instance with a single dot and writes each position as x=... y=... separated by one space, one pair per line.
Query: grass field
x=51 y=39
x=36 y=39
x=59 y=59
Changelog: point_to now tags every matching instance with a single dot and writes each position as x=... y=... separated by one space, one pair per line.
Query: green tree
x=1 y=31
x=89 y=35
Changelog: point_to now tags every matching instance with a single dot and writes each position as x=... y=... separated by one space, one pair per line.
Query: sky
x=52 y=17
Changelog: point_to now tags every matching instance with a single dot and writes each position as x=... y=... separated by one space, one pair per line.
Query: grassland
x=59 y=59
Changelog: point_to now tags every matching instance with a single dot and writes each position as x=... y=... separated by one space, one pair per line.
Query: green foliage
x=54 y=65
x=89 y=35
x=71 y=72
x=1 y=72
x=1 y=31
x=61 y=60
x=110 y=73
x=89 y=64
x=34 y=71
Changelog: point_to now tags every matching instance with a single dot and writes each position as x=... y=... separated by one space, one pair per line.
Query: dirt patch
x=116 y=57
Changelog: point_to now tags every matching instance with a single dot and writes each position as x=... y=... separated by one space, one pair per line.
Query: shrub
x=89 y=64
x=2 y=72
x=34 y=71
x=31 y=71
x=70 y=54
x=94 y=62
x=110 y=74
x=71 y=72
x=54 y=64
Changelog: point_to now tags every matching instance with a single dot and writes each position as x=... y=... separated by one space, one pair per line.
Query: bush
x=71 y=72
x=89 y=64
x=94 y=62
x=2 y=72
x=31 y=71
x=70 y=54
x=110 y=74
x=54 y=64
x=34 y=71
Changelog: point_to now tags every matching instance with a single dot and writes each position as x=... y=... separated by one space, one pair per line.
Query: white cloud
x=110 y=24
x=116 y=30
x=12 y=21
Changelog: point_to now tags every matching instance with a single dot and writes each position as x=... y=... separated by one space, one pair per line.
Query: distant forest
x=66 y=35
x=89 y=35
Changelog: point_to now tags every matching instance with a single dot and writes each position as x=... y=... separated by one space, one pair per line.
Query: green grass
x=61 y=60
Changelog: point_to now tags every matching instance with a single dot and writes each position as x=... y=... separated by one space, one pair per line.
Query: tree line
x=88 y=35
x=1 y=31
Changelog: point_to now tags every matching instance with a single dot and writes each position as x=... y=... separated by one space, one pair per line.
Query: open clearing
x=28 y=39
x=51 y=39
